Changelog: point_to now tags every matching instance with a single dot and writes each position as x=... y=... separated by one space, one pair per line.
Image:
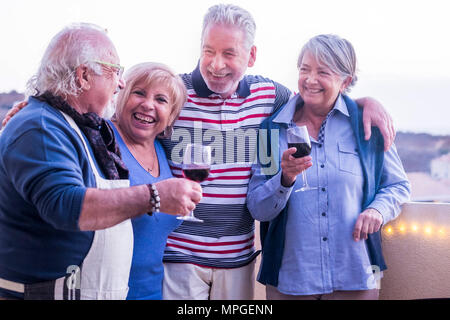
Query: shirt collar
x=287 y=113
x=341 y=106
x=202 y=90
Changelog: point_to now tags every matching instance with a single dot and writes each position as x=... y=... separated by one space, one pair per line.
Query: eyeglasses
x=118 y=67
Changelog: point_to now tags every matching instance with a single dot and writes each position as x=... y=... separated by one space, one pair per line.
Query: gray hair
x=76 y=44
x=335 y=53
x=228 y=14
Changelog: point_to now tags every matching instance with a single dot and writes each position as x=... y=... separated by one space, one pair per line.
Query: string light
x=415 y=227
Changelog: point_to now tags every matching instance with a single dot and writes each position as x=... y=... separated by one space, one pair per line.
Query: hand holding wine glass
x=292 y=167
x=298 y=137
x=178 y=196
x=196 y=166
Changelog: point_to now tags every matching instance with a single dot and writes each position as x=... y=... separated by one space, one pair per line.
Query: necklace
x=138 y=154
x=150 y=166
x=142 y=158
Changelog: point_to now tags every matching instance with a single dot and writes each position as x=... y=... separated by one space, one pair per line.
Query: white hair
x=228 y=14
x=335 y=53
x=76 y=44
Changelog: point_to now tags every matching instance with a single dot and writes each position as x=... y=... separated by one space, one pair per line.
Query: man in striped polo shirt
x=215 y=259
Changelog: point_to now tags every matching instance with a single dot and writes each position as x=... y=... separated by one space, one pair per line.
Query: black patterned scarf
x=99 y=134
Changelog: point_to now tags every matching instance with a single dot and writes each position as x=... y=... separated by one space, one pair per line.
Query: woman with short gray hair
x=324 y=242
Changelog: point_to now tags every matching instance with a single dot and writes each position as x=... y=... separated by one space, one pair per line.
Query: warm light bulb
x=389 y=230
x=415 y=227
x=402 y=228
x=428 y=230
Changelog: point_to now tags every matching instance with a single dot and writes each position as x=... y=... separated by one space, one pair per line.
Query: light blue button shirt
x=320 y=255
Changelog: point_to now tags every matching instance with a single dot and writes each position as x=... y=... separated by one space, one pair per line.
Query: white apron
x=105 y=271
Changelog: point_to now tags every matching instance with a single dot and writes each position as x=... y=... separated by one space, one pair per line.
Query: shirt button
x=320 y=145
x=323 y=189
x=324 y=238
x=322 y=166
x=323 y=214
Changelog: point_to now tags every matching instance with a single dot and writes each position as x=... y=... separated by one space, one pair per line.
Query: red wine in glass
x=196 y=166
x=298 y=137
x=303 y=149
x=196 y=173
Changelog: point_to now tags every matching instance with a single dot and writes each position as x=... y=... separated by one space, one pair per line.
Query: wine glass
x=298 y=137
x=196 y=166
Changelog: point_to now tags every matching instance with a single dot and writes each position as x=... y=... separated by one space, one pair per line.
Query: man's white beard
x=110 y=109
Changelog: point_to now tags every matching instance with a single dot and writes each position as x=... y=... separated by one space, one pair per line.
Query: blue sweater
x=44 y=173
x=273 y=233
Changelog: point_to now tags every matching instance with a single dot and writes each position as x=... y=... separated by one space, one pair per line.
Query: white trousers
x=185 y=281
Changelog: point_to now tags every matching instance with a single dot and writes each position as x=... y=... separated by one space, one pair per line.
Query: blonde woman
x=147 y=108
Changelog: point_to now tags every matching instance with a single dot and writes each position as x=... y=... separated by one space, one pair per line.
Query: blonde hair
x=150 y=74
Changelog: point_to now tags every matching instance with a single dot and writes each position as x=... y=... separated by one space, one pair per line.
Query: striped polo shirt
x=226 y=237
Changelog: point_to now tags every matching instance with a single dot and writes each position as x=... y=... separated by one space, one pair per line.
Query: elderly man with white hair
x=65 y=200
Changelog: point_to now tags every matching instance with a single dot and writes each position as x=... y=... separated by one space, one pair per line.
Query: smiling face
x=104 y=89
x=318 y=85
x=224 y=58
x=146 y=112
x=98 y=90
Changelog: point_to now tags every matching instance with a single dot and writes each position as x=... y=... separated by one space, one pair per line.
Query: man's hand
x=369 y=221
x=375 y=115
x=178 y=195
x=13 y=111
x=291 y=167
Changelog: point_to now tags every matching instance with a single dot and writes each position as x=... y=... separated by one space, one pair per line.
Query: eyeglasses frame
x=119 y=68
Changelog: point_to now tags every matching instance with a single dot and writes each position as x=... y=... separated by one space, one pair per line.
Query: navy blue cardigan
x=371 y=154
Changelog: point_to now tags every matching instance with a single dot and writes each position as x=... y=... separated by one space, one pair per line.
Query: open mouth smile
x=142 y=118
x=218 y=75
x=313 y=91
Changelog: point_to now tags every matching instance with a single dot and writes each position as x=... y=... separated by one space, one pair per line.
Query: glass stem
x=305 y=181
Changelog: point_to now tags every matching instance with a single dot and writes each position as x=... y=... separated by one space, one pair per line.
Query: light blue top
x=150 y=232
x=320 y=255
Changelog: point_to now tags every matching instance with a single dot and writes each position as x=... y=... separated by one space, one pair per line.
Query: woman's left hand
x=369 y=221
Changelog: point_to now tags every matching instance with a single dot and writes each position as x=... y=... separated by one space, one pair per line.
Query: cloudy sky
x=403 y=46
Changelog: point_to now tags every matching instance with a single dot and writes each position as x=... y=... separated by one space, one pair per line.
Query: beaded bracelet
x=154 y=198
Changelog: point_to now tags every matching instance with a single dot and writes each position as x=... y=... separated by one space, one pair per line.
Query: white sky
x=402 y=46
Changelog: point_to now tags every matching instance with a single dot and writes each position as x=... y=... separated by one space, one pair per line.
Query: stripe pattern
x=226 y=237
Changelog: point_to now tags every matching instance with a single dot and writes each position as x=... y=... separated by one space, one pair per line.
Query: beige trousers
x=185 y=281
x=272 y=293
